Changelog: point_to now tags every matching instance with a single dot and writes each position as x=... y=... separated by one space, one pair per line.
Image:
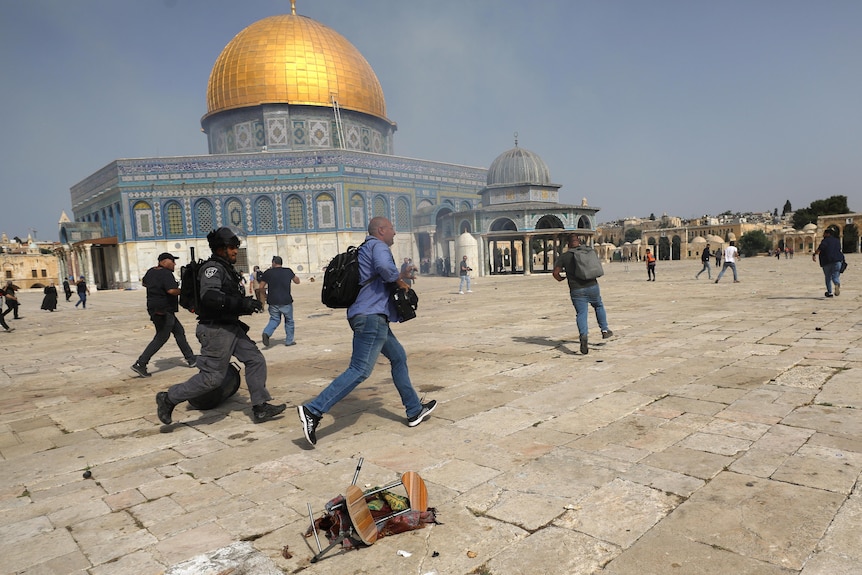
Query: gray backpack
x=587 y=264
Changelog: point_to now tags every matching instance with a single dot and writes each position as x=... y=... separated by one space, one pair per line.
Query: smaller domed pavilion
x=520 y=225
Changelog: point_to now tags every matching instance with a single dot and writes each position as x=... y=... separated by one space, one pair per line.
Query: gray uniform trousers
x=218 y=343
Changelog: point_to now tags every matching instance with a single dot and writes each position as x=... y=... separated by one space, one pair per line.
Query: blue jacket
x=377 y=273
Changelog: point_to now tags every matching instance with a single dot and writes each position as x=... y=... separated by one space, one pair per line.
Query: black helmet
x=222 y=237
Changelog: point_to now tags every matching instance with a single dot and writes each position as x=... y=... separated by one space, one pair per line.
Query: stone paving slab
x=719 y=431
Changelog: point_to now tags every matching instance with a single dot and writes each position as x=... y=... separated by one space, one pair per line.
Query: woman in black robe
x=49 y=302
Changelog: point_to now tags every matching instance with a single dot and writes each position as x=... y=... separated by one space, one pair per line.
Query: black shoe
x=427 y=408
x=265 y=411
x=585 y=349
x=193 y=361
x=827 y=294
x=290 y=344
x=265 y=339
x=164 y=407
x=140 y=369
x=607 y=334
x=309 y=424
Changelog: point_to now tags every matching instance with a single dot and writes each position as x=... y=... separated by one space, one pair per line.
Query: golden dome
x=290 y=59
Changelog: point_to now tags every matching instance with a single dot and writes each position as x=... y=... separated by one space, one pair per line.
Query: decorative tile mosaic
x=318 y=134
x=277 y=130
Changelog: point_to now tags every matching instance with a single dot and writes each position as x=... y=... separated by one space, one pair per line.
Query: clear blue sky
x=642 y=106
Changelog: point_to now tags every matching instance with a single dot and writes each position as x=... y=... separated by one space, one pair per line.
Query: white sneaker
x=460 y=292
x=469 y=291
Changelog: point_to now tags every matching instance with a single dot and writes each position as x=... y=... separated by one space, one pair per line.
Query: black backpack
x=341 y=279
x=189 y=286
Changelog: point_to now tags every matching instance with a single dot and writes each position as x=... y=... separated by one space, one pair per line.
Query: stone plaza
x=717 y=432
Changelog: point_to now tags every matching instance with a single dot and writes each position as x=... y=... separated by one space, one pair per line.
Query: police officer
x=222 y=334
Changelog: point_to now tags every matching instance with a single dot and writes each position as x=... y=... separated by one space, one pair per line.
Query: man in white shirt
x=730 y=256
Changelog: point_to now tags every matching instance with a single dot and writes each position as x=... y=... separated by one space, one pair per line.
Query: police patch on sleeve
x=210 y=272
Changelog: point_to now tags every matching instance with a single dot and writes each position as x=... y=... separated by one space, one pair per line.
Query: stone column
x=87 y=265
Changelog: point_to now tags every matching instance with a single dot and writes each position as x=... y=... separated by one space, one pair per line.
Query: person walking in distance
x=67 y=288
x=276 y=283
x=465 y=270
x=831 y=258
x=650 y=265
x=705 y=256
x=584 y=293
x=82 y=289
x=369 y=318
x=730 y=256
x=163 y=293
x=222 y=334
x=255 y=287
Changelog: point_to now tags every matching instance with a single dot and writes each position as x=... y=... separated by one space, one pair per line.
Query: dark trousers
x=218 y=343
x=166 y=324
x=3 y=323
x=11 y=305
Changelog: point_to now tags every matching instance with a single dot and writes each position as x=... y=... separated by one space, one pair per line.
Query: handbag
x=843 y=266
x=406 y=303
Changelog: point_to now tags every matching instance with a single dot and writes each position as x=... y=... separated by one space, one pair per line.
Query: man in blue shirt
x=369 y=318
x=831 y=257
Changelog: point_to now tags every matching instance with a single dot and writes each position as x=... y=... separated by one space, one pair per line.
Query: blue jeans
x=706 y=269
x=371 y=337
x=731 y=265
x=584 y=297
x=832 y=273
x=463 y=279
x=275 y=314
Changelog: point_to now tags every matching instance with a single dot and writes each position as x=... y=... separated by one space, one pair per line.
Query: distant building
x=28 y=263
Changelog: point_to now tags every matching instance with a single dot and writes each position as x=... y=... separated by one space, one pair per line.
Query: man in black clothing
x=11 y=300
x=222 y=334
x=3 y=323
x=162 y=294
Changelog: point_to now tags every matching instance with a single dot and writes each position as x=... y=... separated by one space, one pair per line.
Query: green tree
x=831 y=205
x=633 y=234
x=753 y=243
x=787 y=209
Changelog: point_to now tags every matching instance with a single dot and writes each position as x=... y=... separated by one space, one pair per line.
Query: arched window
x=402 y=215
x=233 y=211
x=465 y=206
x=174 y=219
x=203 y=218
x=584 y=223
x=503 y=225
x=549 y=221
x=379 y=208
x=143 y=219
x=424 y=204
x=357 y=211
x=295 y=214
x=265 y=216
x=325 y=211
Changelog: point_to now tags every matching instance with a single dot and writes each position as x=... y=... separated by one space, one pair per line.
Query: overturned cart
x=357 y=518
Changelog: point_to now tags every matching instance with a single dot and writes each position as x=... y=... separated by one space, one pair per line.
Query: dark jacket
x=221 y=291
